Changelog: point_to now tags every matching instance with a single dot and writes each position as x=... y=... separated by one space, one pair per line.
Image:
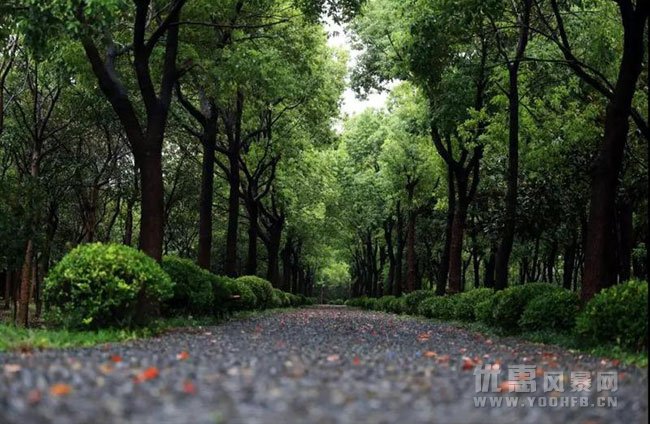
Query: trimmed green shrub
x=509 y=304
x=465 y=303
x=483 y=311
x=222 y=294
x=192 y=287
x=618 y=314
x=247 y=299
x=357 y=302
x=278 y=298
x=412 y=300
x=397 y=305
x=97 y=285
x=441 y=307
x=383 y=303
x=262 y=288
x=553 y=311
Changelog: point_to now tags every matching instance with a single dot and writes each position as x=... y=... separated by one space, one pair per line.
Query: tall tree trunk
x=388 y=236
x=251 y=260
x=411 y=266
x=205 y=202
x=273 y=248
x=599 y=269
x=505 y=248
x=456 y=248
x=569 y=262
x=151 y=202
x=22 y=317
x=625 y=240
x=443 y=271
x=489 y=268
x=398 y=286
x=8 y=289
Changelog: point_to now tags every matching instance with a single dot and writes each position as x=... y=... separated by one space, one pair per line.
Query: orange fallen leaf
x=148 y=374
x=106 y=368
x=182 y=356
x=12 y=368
x=189 y=387
x=430 y=354
x=60 y=389
x=443 y=359
x=508 y=386
x=116 y=358
x=423 y=337
x=34 y=396
x=468 y=364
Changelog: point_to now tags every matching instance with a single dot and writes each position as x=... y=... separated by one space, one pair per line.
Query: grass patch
x=26 y=339
x=565 y=340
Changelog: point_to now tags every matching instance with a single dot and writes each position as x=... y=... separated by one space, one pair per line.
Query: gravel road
x=314 y=365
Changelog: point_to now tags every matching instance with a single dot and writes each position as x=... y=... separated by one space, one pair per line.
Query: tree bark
x=253 y=226
x=600 y=269
x=505 y=248
x=205 y=202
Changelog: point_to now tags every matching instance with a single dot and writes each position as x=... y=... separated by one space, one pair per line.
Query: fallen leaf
x=430 y=354
x=116 y=358
x=106 y=368
x=333 y=358
x=12 y=368
x=468 y=364
x=423 y=337
x=148 y=374
x=508 y=386
x=189 y=387
x=60 y=389
x=182 y=356
x=356 y=361
x=34 y=396
x=443 y=359
x=616 y=362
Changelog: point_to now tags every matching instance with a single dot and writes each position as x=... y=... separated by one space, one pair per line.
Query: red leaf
x=148 y=374
x=468 y=364
x=60 y=389
x=182 y=356
x=189 y=387
x=116 y=358
x=356 y=361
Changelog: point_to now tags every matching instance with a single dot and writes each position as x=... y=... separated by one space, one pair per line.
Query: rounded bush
x=465 y=303
x=441 y=307
x=412 y=300
x=508 y=305
x=357 y=302
x=552 y=311
x=278 y=298
x=262 y=288
x=618 y=315
x=192 y=287
x=222 y=292
x=383 y=303
x=98 y=285
x=397 y=305
x=247 y=299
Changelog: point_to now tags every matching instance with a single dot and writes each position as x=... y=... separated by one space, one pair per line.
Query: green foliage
x=553 y=311
x=441 y=307
x=465 y=303
x=412 y=300
x=262 y=288
x=98 y=285
x=193 y=291
x=279 y=299
x=508 y=305
x=617 y=315
x=222 y=301
x=247 y=299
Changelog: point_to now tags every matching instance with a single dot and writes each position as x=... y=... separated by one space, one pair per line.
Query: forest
x=481 y=164
x=512 y=147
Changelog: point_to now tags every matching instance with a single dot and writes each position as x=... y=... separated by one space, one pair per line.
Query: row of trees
x=117 y=117
x=538 y=174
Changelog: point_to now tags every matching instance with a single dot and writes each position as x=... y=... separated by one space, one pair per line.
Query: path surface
x=320 y=365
